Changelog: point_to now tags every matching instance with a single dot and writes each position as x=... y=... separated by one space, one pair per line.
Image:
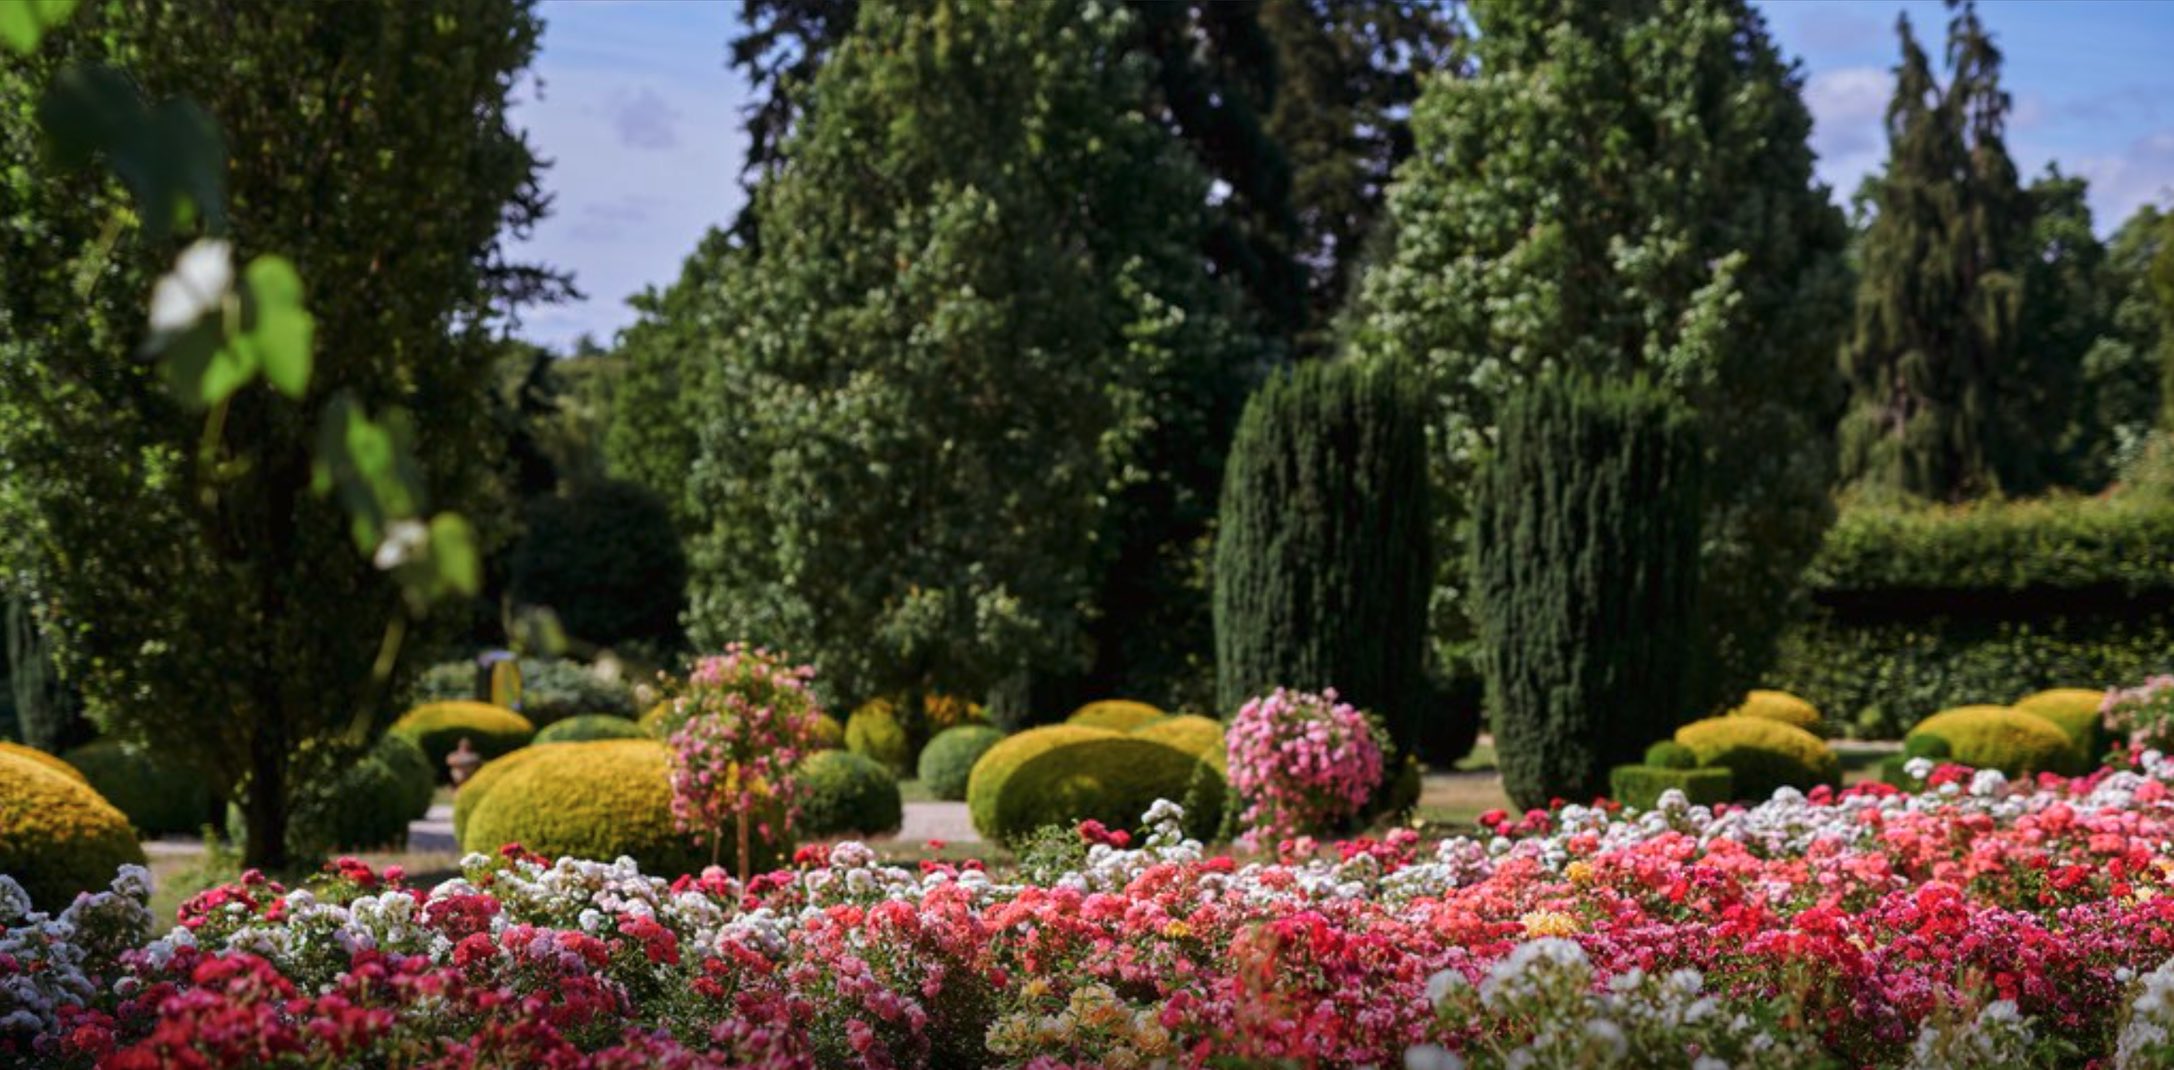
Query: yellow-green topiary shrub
x=1066 y=774
x=873 y=732
x=586 y=727
x=1999 y=737
x=438 y=728
x=1761 y=755
x=479 y=783
x=2075 y=711
x=948 y=761
x=1779 y=706
x=828 y=735
x=657 y=719
x=1190 y=733
x=1117 y=714
x=39 y=757
x=596 y=800
x=57 y=836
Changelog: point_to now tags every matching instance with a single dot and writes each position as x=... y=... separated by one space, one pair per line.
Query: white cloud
x=645 y=121
x=2141 y=173
x=1849 y=107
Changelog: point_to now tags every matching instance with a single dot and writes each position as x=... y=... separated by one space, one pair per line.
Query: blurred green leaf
x=23 y=22
x=277 y=329
x=172 y=158
x=453 y=549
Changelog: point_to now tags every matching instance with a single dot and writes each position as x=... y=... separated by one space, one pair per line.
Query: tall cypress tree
x=1324 y=549
x=1586 y=559
x=1940 y=297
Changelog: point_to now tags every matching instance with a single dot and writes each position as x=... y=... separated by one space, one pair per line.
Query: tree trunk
x=266 y=805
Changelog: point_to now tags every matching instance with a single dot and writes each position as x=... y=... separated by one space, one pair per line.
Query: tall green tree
x=1627 y=189
x=202 y=596
x=1940 y=301
x=1347 y=74
x=651 y=437
x=2118 y=396
x=2045 y=429
x=978 y=296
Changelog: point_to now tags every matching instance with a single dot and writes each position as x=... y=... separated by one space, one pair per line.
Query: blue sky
x=642 y=120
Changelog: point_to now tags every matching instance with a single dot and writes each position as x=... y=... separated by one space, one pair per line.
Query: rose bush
x=1301 y=763
x=1974 y=922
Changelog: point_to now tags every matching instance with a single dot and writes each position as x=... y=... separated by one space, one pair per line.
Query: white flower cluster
x=2147 y=1039
x=51 y=961
x=1997 y=1036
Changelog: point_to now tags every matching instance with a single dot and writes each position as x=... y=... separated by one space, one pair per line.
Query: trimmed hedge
x=2075 y=711
x=589 y=726
x=439 y=727
x=158 y=796
x=2115 y=545
x=38 y=757
x=1118 y=715
x=1669 y=754
x=367 y=805
x=1640 y=786
x=479 y=783
x=1190 y=733
x=1998 y=737
x=873 y=732
x=596 y=800
x=846 y=794
x=948 y=761
x=57 y=836
x=1780 y=706
x=1763 y=755
x=1066 y=774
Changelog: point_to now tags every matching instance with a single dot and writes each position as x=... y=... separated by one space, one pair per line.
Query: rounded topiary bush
x=1997 y=737
x=845 y=794
x=479 y=783
x=1120 y=715
x=1780 y=706
x=873 y=732
x=589 y=726
x=367 y=804
x=440 y=726
x=1922 y=746
x=1065 y=774
x=598 y=800
x=157 y=796
x=1669 y=754
x=38 y=757
x=57 y=836
x=1188 y=732
x=828 y=735
x=949 y=759
x=2075 y=711
x=1761 y=755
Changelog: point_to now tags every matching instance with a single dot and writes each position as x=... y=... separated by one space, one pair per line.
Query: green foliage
x=2051 y=431
x=262 y=631
x=846 y=795
x=57 y=836
x=978 y=290
x=553 y=689
x=2074 y=545
x=604 y=557
x=587 y=726
x=2119 y=390
x=1669 y=754
x=24 y=22
x=1882 y=676
x=1640 y=786
x=47 y=711
x=1121 y=715
x=439 y=727
x=1067 y=774
x=595 y=800
x=1190 y=733
x=873 y=732
x=1324 y=547
x=367 y=805
x=657 y=407
x=948 y=760
x=1998 y=737
x=158 y=796
x=1626 y=188
x=443 y=682
x=1587 y=539
x=1926 y=746
x=2076 y=712
x=1763 y=755
x=1941 y=291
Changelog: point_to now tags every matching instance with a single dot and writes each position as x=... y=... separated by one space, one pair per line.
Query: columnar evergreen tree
x=1586 y=564
x=1625 y=188
x=1941 y=294
x=207 y=603
x=1324 y=550
x=978 y=293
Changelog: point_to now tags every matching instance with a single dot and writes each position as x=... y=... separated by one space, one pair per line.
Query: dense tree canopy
x=191 y=577
x=977 y=293
x=1620 y=189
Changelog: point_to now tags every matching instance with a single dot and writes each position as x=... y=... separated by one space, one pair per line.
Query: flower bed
x=1977 y=923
